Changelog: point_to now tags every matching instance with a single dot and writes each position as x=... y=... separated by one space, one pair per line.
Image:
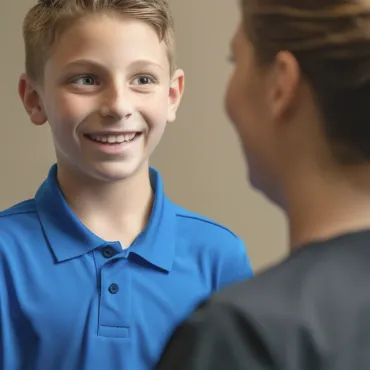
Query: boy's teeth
x=112 y=139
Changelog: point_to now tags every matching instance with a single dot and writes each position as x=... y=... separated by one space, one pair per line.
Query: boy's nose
x=117 y=103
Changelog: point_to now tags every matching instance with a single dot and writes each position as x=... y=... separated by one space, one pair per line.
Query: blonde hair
x=331 y=42
x=49 y=17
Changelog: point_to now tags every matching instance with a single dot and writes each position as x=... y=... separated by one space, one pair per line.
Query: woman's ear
x=285 y=83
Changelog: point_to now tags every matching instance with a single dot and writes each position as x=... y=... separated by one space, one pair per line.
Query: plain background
x=199 y=157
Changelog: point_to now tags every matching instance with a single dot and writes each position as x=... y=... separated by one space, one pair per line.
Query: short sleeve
x=235 y=265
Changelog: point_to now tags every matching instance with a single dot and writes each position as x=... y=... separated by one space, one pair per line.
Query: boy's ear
x=175 y=94
x=31 y=100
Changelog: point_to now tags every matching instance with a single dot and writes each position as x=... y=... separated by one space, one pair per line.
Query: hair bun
x=48 y=3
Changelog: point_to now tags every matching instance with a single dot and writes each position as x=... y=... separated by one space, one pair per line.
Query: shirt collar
x=69 y=238
x=157 y=243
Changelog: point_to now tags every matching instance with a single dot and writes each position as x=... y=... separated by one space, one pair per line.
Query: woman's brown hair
x=331 y=41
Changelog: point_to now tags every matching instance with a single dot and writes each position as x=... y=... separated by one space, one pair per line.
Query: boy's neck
x=114 y=211
x=326 y=206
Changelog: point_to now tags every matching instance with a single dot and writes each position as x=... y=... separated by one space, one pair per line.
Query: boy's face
x=107 y=95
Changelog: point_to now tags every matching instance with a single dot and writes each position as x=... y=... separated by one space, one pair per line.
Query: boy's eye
x=144 y=80
x=85 y=80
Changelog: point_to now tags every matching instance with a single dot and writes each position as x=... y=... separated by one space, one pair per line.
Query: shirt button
x=113 y=288
x=108 y=252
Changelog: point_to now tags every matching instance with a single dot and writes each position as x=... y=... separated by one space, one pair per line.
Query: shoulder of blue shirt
x=225 y=245
x=226 y=250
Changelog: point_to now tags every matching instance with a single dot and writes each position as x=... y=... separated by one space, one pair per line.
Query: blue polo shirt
x=70 y=300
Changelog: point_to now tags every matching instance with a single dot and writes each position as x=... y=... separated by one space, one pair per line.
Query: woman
x=300 y=100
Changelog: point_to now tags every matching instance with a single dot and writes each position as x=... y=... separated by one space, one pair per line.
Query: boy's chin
x=111 y=172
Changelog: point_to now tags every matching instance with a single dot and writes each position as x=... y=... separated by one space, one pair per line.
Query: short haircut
x=48 y=18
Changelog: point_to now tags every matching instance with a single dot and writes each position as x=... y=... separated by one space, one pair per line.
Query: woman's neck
x=327 y=205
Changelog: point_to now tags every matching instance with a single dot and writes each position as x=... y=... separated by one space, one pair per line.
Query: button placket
x=115 y=299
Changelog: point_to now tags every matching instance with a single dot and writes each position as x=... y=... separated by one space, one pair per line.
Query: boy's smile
x=107 y=94
x=114 y=142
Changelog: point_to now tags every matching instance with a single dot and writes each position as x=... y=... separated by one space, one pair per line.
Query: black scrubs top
x=310 y=312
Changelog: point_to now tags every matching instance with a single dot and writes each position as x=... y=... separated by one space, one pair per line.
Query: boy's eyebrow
x=145 y=63
x=83 y=62
x=136 y=63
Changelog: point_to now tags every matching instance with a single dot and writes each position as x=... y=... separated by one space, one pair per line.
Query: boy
x=98 y=268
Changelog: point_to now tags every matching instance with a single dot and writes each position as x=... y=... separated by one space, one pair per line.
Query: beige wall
x=199 y=156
